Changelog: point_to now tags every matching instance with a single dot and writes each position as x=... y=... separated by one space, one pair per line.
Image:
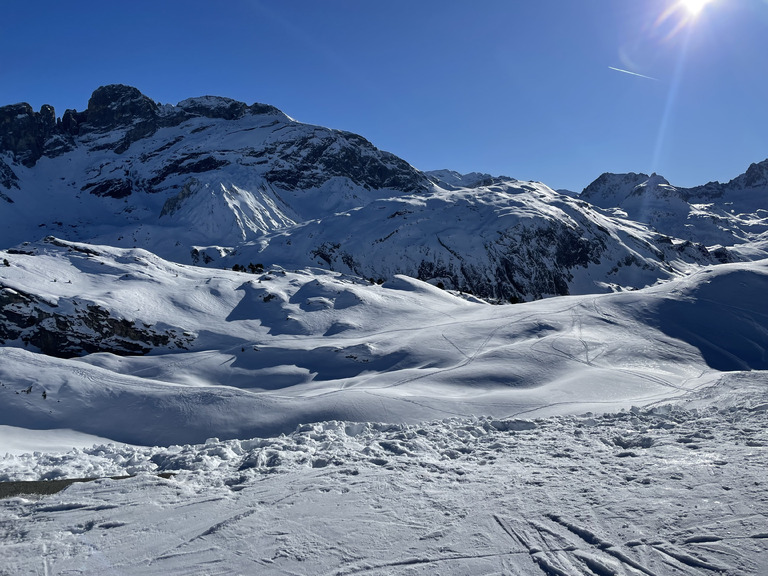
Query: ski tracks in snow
x=664 y=492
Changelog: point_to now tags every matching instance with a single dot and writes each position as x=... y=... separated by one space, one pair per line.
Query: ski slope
x=674 y=489
x=258 y=354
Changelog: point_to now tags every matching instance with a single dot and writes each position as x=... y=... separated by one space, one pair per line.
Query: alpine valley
x=301 y=355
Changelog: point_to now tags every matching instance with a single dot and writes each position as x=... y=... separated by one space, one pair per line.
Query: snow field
x=267 y=352
x=677 y=489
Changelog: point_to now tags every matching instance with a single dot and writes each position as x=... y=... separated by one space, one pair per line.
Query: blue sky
x=510 y=87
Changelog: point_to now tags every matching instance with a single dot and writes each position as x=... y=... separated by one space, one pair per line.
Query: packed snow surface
x=673 y=489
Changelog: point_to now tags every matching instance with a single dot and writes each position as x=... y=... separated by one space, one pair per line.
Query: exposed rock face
x=314 y=157
x=8 y=178
x=23 y=132
x=71 y=122
x=116 y=105
x=223 y=108
x=29 y=135
x=195 y=163
x=74 y=328
x=113 y=188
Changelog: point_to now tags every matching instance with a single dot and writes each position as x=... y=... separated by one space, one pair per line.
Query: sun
x=694 y=7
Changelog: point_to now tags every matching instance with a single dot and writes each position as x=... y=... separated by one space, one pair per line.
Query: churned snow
x=675 y=489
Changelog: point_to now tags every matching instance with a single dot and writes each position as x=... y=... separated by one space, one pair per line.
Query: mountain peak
x=653 y=181
x=609 y=189
x=221 y=107
x=119 y=105
x=452 y=180
x=756 y=175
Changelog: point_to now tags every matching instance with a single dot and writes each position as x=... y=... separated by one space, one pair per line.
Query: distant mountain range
x=215 y=182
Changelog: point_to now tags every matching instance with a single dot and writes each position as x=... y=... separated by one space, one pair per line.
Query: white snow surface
x=15 y=440
x=315 y=423
x=263 y=353
x=676 y=489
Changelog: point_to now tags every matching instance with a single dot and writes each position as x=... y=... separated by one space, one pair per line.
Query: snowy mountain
x=216 y=182
x=278 y=349
x=164 y=177
x=728 y=214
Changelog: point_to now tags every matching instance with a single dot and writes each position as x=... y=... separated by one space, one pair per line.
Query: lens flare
x=694 y=6
x=680 y=15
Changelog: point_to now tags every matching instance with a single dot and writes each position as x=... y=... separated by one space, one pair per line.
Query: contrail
x=633 y=73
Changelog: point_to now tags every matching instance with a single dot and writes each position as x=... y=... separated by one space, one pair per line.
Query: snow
x=673 y=489
x=344 y=427
x=329 y=414
x=259 y=354
x=16 y=441
x=724 y=214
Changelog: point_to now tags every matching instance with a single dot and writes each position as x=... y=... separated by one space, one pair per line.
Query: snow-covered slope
x=236 y=354
x=713 y=214
x=509 y=241
x=672 y=490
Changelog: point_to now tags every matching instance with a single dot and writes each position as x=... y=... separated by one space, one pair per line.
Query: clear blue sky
x=516 y=87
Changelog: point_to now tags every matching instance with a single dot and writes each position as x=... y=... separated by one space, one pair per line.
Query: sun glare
x=694 y=6
x=680 y=14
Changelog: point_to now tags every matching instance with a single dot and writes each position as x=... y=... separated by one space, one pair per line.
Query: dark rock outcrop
x=71 y=121
x=214 y=107
x=112 y=188
x=23 y=132
x=74 y=328
x=188 y=164
x=8 y=178
x=312 y=158
x=29 y=135
x=116 y=105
